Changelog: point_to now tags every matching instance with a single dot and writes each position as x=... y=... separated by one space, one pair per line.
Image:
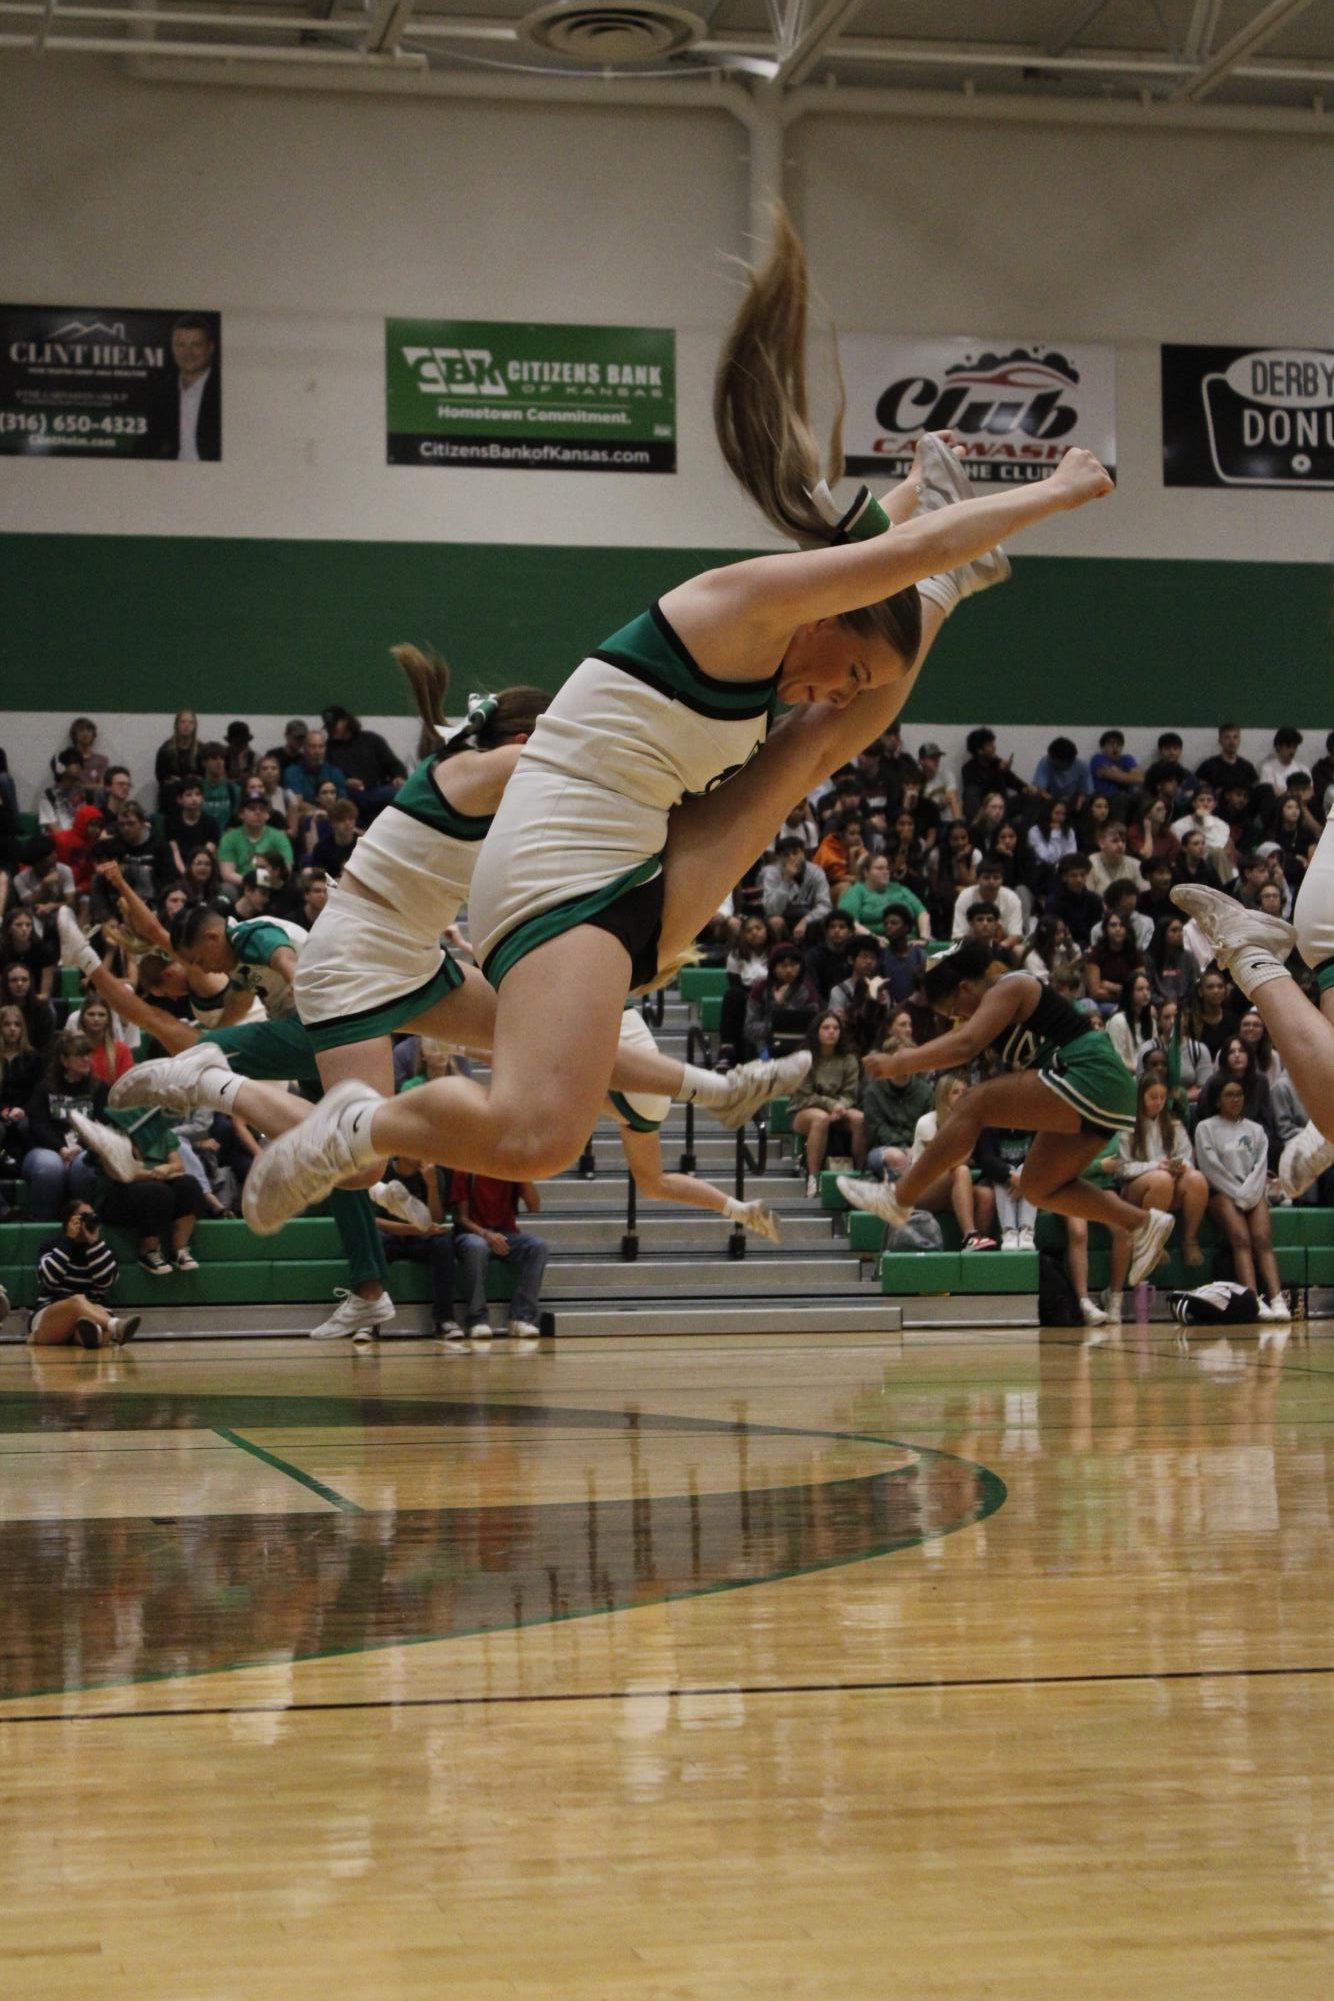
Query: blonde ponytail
x=428 y=677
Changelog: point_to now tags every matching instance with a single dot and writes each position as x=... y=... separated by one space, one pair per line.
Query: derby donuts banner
x=1248 y=416
x=1018 y=406
x=110 y=382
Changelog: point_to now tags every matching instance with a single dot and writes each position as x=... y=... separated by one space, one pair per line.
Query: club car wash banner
x=1018 y=406
x=110 y=382
x=1248 y=416
x=567 y=398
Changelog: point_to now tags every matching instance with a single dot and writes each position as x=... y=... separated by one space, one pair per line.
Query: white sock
x=1254 y=967
x=358 y=1133
x=1114 y=1305
x=217 y=1089
x=941 y=590
x=702 y=1087
x=87 y=960
x=731 y=1207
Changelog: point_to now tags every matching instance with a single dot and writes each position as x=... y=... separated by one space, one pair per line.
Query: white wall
x=308 y=218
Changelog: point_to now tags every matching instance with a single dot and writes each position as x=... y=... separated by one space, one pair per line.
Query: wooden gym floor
x=944 y=1666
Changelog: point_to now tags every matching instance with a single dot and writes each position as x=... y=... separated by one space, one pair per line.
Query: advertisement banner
x=1248 y=416
x=110 y=382
x=564 y=398
x=1018 y=406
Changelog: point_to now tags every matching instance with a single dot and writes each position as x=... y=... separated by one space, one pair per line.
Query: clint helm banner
x=1248 y=416
x=559 y=398
x=1018 y=406
x=110 y=382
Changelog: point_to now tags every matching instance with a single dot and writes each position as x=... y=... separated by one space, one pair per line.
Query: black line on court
x=903 y=1687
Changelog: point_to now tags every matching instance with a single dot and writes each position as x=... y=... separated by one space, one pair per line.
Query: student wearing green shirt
x=242 y=847
x=866 y=900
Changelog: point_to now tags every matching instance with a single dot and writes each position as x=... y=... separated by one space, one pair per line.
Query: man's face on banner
x=191 y=350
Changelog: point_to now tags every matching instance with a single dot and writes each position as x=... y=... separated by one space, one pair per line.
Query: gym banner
x=564 y=398
x=1248 y=416
x=1017 y=406
x=110 y=382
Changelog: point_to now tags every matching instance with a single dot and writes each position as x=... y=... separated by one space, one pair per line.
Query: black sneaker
x=87 y=1333
x=154 y=1264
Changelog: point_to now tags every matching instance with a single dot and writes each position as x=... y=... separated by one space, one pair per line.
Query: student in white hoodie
x=1233 y=1154
x=1155 y=1167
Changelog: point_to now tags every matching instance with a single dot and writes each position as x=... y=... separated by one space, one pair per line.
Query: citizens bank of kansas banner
x=110 y=382
x=1018 y=406
x=1248 y=416
x=572 y=399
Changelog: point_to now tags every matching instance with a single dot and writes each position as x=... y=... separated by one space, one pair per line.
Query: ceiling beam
x=1201 y=29
x=812 y=43
x=1080 y=16
x=1253 y=36
x=384 y=29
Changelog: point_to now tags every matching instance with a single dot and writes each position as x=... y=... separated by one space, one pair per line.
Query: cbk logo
x=455 y=371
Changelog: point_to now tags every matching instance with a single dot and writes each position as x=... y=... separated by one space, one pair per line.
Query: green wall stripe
x=146 y=622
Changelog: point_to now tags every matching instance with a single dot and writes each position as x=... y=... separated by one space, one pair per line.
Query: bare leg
x=1077 y=1254
x=643 y=1153
x=814 y=1129
x=1233 y=1225
x=1192 y=1199
x=1260 y=1230
x=1304 y=1037
x=175 y=1035
x=56 y=1326
x=1058 y=1156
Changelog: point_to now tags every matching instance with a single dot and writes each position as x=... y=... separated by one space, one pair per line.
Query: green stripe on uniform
x=632 y=1118
x=562 y=917
x=649 y=649
x=421 y=799
x=1091 y=1077
x=388 y=1016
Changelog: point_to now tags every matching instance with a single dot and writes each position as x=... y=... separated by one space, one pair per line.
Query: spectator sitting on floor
x=39 y=1020
x=1231 y=1152
x=486 y=1227
x=1112 y=863
x=417 y=1231
x=1062 y=774
x=1073 y=901
x=54 y=1166
x=1173 y=972
x=828 y=962
x=75 y=1273
x=1000 y=1154
x=826 y=1101
x=1121 y=898
x=189 y=826
x=782 y=1004
x=1114 y=773
x=1131 y=1029
x=795 y=892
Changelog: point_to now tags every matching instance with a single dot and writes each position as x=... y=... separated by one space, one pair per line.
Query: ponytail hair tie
x=861 y=522
x=481 y=708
